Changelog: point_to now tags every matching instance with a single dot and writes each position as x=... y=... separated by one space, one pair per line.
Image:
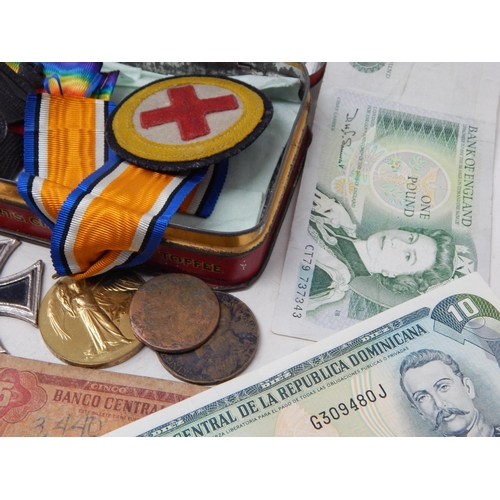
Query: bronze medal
x=226 y=353
x=86 y=322
x=174 y=313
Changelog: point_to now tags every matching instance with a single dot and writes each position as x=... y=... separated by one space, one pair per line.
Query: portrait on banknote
x=393 y=208
x=366 y=275
x=444 y=396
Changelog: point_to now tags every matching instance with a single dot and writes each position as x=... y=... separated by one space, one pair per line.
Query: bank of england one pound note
x=394 y=201
x=428 y=367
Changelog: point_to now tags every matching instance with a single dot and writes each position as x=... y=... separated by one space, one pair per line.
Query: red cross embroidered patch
x=188 y=111
x=182 y=123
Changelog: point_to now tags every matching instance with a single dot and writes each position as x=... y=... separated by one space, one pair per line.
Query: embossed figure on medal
x=85 y=322
x=80 y=299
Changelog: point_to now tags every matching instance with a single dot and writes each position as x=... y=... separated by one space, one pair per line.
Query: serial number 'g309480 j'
x=325 y=417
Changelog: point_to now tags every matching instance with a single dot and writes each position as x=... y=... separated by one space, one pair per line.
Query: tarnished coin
x=174 y=313
x=226 y=353
x=86 y=322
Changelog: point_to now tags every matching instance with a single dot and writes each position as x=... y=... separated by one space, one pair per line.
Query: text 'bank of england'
x=396 y=200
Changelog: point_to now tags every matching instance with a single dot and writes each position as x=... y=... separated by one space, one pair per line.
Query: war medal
x=86 y=322
x=19 y=292
x=166 y=150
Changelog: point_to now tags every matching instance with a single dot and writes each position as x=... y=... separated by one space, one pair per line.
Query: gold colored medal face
x=86 y=322
x=174 y=313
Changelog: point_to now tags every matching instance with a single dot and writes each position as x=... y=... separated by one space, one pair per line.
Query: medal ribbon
x=104 y=212
x=83 y=79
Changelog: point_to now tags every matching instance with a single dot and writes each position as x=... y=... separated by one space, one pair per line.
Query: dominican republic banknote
x=429 y=367
x=45 y=399
x=394 y=201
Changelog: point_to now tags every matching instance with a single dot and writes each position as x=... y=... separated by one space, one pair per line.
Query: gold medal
x=86 y=322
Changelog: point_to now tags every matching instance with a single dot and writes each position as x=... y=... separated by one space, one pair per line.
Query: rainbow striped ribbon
x=104 y=212
x=83 y=79
x=79 y=78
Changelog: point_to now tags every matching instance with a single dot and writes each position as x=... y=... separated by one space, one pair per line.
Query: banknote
x=462 y=89
x=428 y=367
x=44 y=399
x=395 y=200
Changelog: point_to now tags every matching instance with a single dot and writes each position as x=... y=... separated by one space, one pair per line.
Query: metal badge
x=19 y=292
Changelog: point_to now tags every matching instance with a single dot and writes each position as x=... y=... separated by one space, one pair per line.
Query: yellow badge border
x=131 y=141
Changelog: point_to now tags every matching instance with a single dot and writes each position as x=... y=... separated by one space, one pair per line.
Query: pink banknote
x=45 y=399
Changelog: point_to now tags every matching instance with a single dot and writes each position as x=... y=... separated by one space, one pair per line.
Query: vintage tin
x=229 y=259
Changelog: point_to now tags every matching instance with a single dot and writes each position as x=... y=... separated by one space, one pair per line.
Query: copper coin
x=226 y=353
x=86 y=322
x=174 y=313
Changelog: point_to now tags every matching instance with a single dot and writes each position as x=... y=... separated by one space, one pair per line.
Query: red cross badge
x=182 y=123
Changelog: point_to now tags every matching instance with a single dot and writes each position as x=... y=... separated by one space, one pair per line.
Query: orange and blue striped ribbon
x=63 y=144
x=116 y=217
x=104 y=212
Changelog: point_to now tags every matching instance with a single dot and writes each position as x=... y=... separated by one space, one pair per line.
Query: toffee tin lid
x=178 y=124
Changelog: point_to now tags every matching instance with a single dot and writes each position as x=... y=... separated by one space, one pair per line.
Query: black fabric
x=14 y=89
x=11 y=155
